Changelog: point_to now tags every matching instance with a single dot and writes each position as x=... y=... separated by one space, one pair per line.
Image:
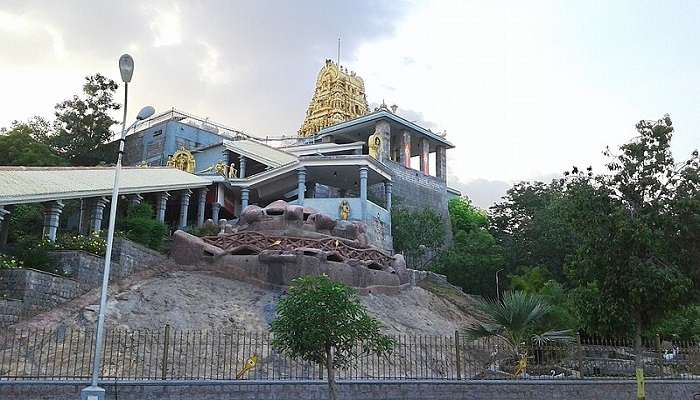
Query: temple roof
x=260 y=152
x=37 y=184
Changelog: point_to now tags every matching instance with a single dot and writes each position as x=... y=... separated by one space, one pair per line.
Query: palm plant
x=514 y=321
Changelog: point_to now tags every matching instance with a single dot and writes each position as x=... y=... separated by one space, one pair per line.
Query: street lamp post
x=94 y=392
x=498 y=291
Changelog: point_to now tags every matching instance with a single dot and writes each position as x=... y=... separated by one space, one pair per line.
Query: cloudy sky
x=524 y=89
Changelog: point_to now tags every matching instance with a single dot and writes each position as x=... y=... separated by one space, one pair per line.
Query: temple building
x=346 y=162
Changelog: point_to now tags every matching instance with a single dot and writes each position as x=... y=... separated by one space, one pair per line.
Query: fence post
x=661 y=355
x=164 y=369
x=457 y=358
x=579 y=355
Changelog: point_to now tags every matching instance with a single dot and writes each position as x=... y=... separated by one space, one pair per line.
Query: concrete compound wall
x=424 y=390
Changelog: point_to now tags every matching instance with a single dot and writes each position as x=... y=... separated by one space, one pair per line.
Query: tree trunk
x=332 y=388
x=639 y=361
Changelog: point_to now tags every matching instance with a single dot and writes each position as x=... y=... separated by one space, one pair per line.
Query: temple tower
x=339 y=96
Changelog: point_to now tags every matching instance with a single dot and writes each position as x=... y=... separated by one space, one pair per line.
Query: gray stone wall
x=376 y=390
x=86 y=268
x=38 y=290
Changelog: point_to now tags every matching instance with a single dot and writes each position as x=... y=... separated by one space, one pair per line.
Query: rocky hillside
x=201 y=300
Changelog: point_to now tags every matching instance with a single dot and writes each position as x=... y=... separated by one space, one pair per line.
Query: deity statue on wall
x=220 y=168
x=182 y=160
x=375 y=145
x=344 y=210
x=232 y=172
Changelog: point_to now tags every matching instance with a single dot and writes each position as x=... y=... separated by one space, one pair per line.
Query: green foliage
x=9 y=262
x=618 y=250
x=464 y=216
x=323 y=322
x=33 y=252
x=141 y=226
x=474 y=257
x=83 y=124
x=18 y=145
x=26 y=220
x=681 y=324
x=515 y=320
x=92 y=243
x=416 y=233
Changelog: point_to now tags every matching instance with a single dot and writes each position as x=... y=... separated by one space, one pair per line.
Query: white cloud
x=211 y=69
x=166 y=25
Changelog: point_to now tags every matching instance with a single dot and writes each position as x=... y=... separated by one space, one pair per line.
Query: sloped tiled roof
x=34 y=184
x=260 y=152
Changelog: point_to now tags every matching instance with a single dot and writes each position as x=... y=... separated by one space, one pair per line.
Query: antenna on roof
x=338 y=59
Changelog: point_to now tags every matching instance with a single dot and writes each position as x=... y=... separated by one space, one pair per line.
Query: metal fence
x=220 y=355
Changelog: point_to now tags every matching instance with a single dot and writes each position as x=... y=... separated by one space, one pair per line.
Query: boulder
x=398 y=264
x=251 y=215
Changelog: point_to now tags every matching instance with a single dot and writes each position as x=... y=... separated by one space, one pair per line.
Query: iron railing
x=169 y=354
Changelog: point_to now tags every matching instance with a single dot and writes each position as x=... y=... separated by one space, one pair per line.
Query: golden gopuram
x=339 y=96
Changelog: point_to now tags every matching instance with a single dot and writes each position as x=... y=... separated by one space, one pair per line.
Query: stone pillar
x=387 y=194
x=134 y=199
x=215 y=207
x=5 y=214
x=52 y=212
x=245 y=192
x=161 y=206
x=97 y=214
x=405 y=150
x=425 y=156
x=241 y=167
x=84 y=221
x=384 y=130
x=441 y=163
x=184 y=206
x=201 y=205
x=301 y=185
x=363 y=190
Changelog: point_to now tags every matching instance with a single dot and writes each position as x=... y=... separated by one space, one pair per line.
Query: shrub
x=92 y=243
x=141 y=226
x=9 y=262
x=33 y=252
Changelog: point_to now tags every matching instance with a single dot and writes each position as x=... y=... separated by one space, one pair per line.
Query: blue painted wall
x=156 y=143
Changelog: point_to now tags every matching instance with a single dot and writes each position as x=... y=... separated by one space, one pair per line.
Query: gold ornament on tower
x=339 y=96
x=182 y=160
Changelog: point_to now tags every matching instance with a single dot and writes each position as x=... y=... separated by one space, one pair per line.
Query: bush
x=92 y=243
x=204 y=230
x=141 y=227
x=26 y=220
x=33 y=252
x=9 y=262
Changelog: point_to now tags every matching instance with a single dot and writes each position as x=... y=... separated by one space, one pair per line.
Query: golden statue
x=339 y=96
x=182 y=160
x=220 y=168
x=232 y=172
x=344 y=210
x=250 y=364
x=375 y=145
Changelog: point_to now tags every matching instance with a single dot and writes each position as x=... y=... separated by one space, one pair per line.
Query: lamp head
x=126 y=67
x=145 y=113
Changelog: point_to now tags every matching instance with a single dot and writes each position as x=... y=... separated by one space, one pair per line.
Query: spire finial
x=338 y=59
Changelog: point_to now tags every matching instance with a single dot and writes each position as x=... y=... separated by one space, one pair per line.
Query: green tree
x=416 y=233
x=18 y=145
x=323 y=322
x=83 y=124
x=475 y=257
x=515 y=321
x=626 y=257
x=141 y=226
